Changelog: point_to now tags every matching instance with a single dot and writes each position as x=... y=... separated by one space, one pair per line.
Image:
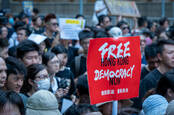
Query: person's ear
x=159 y=56
x=31 y=82
x=170 y=93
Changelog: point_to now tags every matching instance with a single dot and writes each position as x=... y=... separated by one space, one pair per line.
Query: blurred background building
x=69 y=8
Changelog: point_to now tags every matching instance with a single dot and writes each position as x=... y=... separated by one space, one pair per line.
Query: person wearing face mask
x=37 y=79
x=52 y=64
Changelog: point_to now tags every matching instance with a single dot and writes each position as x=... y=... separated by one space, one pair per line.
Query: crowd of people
x=36 y=78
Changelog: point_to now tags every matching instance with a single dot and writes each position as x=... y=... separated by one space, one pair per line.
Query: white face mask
x=43 y=84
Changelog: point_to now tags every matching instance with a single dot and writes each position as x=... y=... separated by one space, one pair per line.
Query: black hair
x=120 y=23
x=81 y=109
x=79 y=15
x=32 y=70
x=161 y=44
x=12 y=51
x=18 y=24
x=47 y=57
x=85 y=34
x=59 y=49
x=165 y=82
x=170 y=32
x=101 y=34
x=26 y=46
x=82 y=85
x=48 y=17
x=73 y=110
x=26 y=30
x=13 y=98
x=14 y=66
x=86 y=108
x=142 y=21
x=35 y=10
x=163 y=20
x=102 y=17
x=151 y=51
x=3 y=43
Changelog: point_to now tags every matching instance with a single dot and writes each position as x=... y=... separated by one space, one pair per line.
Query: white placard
x=70 y=27
x=66 y=104
x=37 y=38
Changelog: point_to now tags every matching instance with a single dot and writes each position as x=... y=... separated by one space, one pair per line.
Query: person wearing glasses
x=52 y=64
x=51 y=30
x=37 y=78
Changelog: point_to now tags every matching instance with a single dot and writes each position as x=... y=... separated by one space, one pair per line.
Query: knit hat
x=155 y=105
x=170 y=108
x=42 y=102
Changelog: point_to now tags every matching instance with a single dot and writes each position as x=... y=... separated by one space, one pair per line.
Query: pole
x=81 y=6
x=162 y=8
x=114 y=107
x=173 y=8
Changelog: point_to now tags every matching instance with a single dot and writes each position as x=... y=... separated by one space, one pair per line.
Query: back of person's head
x=166 y=83
x=170 y=108
x=87 y=108
x=15 y=66
x=3 y=43
x=81 y=109
x=85 y=34
x=101 y=34
x=161 y=44
x=151 y=51
x=170 y=32
x=58 y=49
x=163 y=20
x=32 y=70
x=25 y=47
x=73 y=110
x=142 y=21
x=46 y=57
x=83 y=89
x=49 y=17
x=42 y=103
x=11 y=102
x=36 y=11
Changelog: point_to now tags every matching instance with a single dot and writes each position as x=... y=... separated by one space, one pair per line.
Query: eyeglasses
x=125 y=28
x=54 y=24
x=42 y=76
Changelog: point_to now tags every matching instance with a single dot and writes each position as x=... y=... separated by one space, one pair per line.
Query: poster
x=28 y=7
x=122 y=8
x=113 y=68
x=69 y=28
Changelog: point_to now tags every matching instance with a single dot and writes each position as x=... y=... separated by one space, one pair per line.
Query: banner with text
x=113 y=68
x=70 y=28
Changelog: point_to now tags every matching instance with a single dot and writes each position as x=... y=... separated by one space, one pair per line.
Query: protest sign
x=69 y=28
x=37 y=38
x=113 y=68
x=28 y=7
x=122 y=8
